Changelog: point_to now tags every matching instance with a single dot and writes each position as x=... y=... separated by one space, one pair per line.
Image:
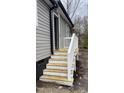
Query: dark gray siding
x=42 y=31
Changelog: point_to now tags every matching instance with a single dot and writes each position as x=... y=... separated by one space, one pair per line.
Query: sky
x=82 y=9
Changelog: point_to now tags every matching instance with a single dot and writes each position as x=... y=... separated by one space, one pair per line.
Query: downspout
x=51 y=30
x=51 y=25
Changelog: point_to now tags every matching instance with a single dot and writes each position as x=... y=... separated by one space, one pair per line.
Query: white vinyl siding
x=42 y=31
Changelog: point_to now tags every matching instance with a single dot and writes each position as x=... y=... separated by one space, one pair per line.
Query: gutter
x=53 y=2
x=64 y=11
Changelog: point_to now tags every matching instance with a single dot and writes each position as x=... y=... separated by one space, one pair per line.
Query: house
x=56 y=44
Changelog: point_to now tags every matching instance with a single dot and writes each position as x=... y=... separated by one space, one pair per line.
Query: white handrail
x=71 y=55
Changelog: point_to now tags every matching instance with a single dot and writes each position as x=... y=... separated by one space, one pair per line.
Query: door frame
x=57 y=16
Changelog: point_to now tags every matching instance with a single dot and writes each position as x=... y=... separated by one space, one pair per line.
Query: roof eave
x=64 y=11
x=54 y=3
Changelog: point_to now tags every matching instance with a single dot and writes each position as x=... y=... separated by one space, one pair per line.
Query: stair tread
x=58 y=59
x=61 y=50
x=57 y=64
x=59 y=55
x=61 y=78
x=56 y=70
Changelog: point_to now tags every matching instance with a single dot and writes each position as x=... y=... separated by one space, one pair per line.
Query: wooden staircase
x=56 y=70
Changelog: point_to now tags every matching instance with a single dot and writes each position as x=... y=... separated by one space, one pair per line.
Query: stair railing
x=71 y=56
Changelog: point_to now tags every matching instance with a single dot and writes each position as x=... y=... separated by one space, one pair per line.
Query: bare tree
x=78 y=25
x=84 y=37
x=81 y=24
x=77 y=2
x=81 y=28
x=72 y=6
x=85 y=24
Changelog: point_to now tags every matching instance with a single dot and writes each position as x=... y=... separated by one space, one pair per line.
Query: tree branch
x=75 y=8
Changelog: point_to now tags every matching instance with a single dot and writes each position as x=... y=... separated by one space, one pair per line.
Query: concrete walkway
x=80 y=83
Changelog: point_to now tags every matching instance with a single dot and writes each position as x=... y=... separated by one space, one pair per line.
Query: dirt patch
x=80 y=82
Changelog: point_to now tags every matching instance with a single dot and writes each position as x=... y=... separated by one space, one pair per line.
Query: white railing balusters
x=72 y=52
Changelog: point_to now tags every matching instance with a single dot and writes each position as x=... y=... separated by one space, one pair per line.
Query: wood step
x=56 y=67
x=55 y=74
x=57 y=80
x=56 y=70
x=59 y=55
x=65 y=51
x=67 y=83
x=57 y=64
x=58 y=59
x=59 y=52
x=54 y=61
x=60 y=78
